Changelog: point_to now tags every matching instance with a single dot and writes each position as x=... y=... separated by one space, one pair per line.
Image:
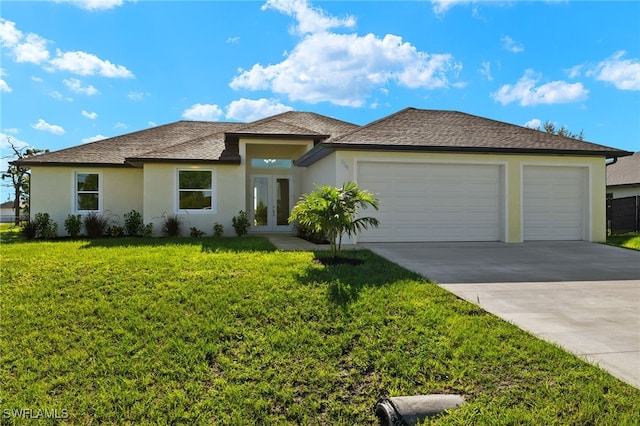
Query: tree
x=333 y=211
x=20 y=176
x=549 y=127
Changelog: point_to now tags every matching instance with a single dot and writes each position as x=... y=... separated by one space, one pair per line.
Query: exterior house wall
x=52 y=191
x=346 y=164
x=624 y=191
x=323 y=172
x=161 y=196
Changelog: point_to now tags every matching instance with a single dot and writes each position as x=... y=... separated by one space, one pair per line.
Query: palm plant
x=333 y=211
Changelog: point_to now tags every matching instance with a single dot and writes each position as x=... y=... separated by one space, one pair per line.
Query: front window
x=195 y=190
x=87 y=192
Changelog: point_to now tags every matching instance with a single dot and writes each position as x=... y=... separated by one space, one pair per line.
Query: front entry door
x=271 y=201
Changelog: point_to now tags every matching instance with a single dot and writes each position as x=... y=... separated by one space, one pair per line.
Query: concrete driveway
x=582 y=296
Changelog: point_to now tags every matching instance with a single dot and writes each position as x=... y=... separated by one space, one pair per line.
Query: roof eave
x=322 y=150
x=227 y=160
x=68 y=164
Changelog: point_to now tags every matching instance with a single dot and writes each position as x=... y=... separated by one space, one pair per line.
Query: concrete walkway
x=582 y=296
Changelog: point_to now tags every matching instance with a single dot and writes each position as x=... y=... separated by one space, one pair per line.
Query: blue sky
x=72 y=72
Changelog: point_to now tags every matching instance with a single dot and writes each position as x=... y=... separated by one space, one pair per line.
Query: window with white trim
x=196 y=190
x=88 y=197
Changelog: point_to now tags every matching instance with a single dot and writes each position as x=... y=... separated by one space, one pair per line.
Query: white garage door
x=433 y=202
x=554 y=203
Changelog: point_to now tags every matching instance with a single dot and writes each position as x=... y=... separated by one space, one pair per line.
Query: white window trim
x=214 y=191
x=74 y=186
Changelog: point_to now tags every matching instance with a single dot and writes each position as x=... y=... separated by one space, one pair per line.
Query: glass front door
x=271 y=202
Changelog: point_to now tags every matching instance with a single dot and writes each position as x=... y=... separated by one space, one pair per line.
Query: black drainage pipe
x=409 y=410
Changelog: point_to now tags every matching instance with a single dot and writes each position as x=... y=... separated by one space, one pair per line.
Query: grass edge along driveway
x=233 y=332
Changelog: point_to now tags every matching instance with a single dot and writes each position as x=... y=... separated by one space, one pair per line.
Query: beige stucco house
x=440 y=176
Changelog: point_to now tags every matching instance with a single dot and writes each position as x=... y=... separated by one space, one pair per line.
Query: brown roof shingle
x=625 y=171
x=451 y=129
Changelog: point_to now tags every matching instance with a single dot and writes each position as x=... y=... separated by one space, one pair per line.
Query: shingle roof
x=409 y=129
x=451 y=129
x=191 y=141
x=114 y=151
x=625 y=171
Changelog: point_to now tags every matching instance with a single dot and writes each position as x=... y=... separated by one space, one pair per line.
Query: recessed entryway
x=271 y=202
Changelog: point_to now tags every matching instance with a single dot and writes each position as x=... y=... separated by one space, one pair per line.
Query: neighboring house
x=440 y=176
x=623 y=177
x=7 y=214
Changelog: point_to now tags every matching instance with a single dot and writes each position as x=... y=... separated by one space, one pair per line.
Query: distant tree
x=549 y=127
x=20 y=176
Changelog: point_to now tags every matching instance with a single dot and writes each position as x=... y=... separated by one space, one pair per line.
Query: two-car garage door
x=466 y=202
x=434 y=202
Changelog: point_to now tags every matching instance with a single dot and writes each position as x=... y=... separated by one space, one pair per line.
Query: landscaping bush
x=241 y=223
x=133 y=223
x=29 y=230
x=115 y=231
x=147 y=230
x=45 y=226
x=195 y=232
x=218 y=230
x=73 y=225
x=95 y=224
x=171 y=225
x=310 y=234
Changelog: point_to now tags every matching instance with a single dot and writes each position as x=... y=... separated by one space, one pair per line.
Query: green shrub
x=29 y=230
x=133 y=223
x=45 y=227
x=218 y=230
x=73 y=225
x=95 y=224
x=310 y=234
x=195 y=232
x=171 y=225
x=115 y=231
x=241 y=223
x=147 y=230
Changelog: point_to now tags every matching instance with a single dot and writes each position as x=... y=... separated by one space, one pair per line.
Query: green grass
x=203 y=331
x=630 y=241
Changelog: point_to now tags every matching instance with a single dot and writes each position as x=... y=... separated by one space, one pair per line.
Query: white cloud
x=37 y=79
x=152 y=123
x=89 y=115
x=9 y=35
x=120 y=126
x=344 y=68
x=4 y=87
x=511 y=45
x=310 y=19
x=575 y=71
x=137 y=96
x=46 y=127
x=203 y=112
x=93 y=139
x=623 y=73
x=33 y=50
x=59 y=96
x=76 y=86
x=233 y=40
x=440 y=7
x=94 y=5
x=12 y=130
x=534 y=123
x=83 y=63
x=486 y=70
x=527 y=93
x=251 y=110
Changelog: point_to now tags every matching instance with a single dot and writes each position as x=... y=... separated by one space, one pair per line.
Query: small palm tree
x=333 y=211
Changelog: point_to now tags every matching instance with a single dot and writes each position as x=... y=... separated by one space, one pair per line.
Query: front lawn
x=148 y=331
x=630 y=241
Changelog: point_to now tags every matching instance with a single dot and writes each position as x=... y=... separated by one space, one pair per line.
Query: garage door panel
x=553 y=203
x=433 y=202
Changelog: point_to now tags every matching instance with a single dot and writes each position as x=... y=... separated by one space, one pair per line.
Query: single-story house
x=623 y=177
x=440 y=176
